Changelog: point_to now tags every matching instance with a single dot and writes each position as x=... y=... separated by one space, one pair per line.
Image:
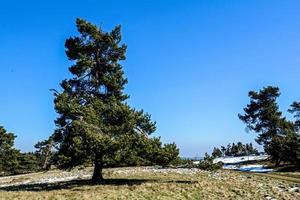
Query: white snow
x=196 y=162
x=254 y=168
x=247 y=168
x=230 y=167
x=236 y=163
x=240 y=159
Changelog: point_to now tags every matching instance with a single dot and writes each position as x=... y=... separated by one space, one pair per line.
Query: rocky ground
x=150 y=183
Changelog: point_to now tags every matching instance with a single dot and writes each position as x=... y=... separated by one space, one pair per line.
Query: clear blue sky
x=189 y=63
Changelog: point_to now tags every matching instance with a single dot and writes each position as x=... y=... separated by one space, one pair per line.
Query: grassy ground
x=149 y=183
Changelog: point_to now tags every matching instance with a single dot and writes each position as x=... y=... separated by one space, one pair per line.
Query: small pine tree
x=223 y=149
x=8 y=154
x=228 y=150
x=216 y=153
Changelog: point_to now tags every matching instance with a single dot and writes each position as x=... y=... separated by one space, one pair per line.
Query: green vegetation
x=8 y=155
x=278 y=135
x=233 y=149
x=11 y=160
x=207 y=163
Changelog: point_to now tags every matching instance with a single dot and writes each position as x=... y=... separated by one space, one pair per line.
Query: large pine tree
x=94 y=118
x=262 y=116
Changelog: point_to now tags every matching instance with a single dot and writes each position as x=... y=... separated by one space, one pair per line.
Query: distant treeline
x=12 y=161
x=233 y=149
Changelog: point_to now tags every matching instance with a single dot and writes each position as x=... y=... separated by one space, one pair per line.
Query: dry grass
x=148 y=183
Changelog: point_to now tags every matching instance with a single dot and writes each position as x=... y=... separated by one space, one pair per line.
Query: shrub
x=207 y=163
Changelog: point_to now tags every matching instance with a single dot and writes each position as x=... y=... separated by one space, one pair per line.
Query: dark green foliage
x=11 y=160
x=143 y=151
x=27 y=162
x=277 y=134
x=262 y=115
x=285 y=148
x=207 y=163
x=8 y=154
x=163 y=155
x=233 y=149
x=292 y=149
x=223 y=150
x=170 y=154
x=228 y=150
x=153 y=152
x=295 y=109
x=95 y=123
x=293 y=140
x=216 y=153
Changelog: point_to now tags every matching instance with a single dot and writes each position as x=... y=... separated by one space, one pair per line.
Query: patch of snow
x=239 y=159
x=230 y=167
x=254 y=168
x=248 y=168
x=236 y=163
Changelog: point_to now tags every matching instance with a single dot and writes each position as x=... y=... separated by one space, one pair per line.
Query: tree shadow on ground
x=288 y=168
x=77 y=183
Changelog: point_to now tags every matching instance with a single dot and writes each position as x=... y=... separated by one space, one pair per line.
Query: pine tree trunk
x=47 y=156
x=277 y=163
x=98 y=166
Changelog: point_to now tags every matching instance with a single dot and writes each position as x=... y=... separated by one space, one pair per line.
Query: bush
x=207 y=163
